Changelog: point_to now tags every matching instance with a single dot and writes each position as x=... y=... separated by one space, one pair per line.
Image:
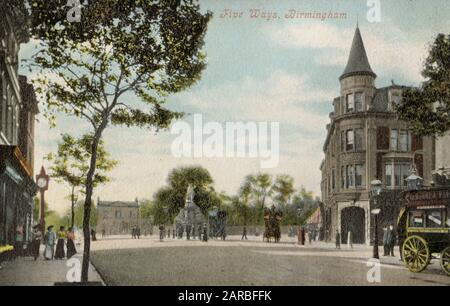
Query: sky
x=282 y=70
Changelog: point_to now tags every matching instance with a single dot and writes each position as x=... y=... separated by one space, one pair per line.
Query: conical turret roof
x=358 y=62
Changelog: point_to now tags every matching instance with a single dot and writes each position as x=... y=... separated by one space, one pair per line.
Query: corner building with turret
x=366 y=141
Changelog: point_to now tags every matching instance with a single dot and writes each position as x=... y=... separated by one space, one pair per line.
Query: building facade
x=118 y=218
x=18 y=108
x=366 y=141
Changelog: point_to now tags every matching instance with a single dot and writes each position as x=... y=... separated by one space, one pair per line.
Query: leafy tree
x=283 y=189
x=261 y=189
x=428 y=107
x=170 y=199
x=243 y=200
x=71 y=165
x=146 y=209
x=147 y=48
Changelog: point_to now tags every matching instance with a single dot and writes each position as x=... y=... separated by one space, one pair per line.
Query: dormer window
x=396 y=99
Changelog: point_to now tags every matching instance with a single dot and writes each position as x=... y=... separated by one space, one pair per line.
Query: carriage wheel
x=445 y=260
x=416 y=254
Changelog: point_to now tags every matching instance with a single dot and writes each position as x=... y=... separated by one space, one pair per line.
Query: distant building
x=118 y=218
x=365 y=140
x=18 y=108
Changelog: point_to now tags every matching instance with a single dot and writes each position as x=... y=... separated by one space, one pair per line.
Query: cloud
x=282 y=97
x=390 y=53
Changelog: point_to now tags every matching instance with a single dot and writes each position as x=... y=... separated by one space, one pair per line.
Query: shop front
x=17 y=190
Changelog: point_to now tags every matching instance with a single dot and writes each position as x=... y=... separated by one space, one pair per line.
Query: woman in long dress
x=60 y=254
x=49 y=240
x=71 y=250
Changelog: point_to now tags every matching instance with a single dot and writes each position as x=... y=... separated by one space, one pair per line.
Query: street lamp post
x=376 y=187
x=42 y=180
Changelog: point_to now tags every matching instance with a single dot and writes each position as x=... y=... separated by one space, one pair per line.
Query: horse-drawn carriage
x=424 y=228
x=272 y=220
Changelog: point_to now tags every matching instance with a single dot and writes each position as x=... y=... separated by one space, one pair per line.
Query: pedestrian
x=49 y=240
x=350 y=240
x=133 y=233
x=36 y=242
x=61 y=235
x=338 y=240
x=392 y=241
x=138 y=232
x=385 y=241
x=161 y=233
x=93 y=235
x=71 y=250
x=244 y=233
x=18 y=246
x=103 y=233
x=205 y=233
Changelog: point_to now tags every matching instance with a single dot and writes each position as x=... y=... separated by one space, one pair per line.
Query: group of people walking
x=63 y=240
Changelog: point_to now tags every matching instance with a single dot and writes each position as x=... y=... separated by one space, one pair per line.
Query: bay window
x=350 y=140
x=350 y=103
x=396 y=173
x=359 y=102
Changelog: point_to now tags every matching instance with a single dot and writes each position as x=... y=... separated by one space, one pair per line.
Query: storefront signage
x=427 y=197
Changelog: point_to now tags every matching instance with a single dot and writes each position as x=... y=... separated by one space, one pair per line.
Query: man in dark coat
x=338 y=240
x=392 y=241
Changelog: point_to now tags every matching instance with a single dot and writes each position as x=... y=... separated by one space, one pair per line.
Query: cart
x=272 y=220
x=424 y=229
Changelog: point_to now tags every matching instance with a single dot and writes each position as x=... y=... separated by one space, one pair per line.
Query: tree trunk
x=72 y=221
x=88 y=203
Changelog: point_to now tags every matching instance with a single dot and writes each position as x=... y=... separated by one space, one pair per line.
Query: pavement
x=24 y=271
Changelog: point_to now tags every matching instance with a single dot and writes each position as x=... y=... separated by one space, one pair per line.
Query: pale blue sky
x=283 y=70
